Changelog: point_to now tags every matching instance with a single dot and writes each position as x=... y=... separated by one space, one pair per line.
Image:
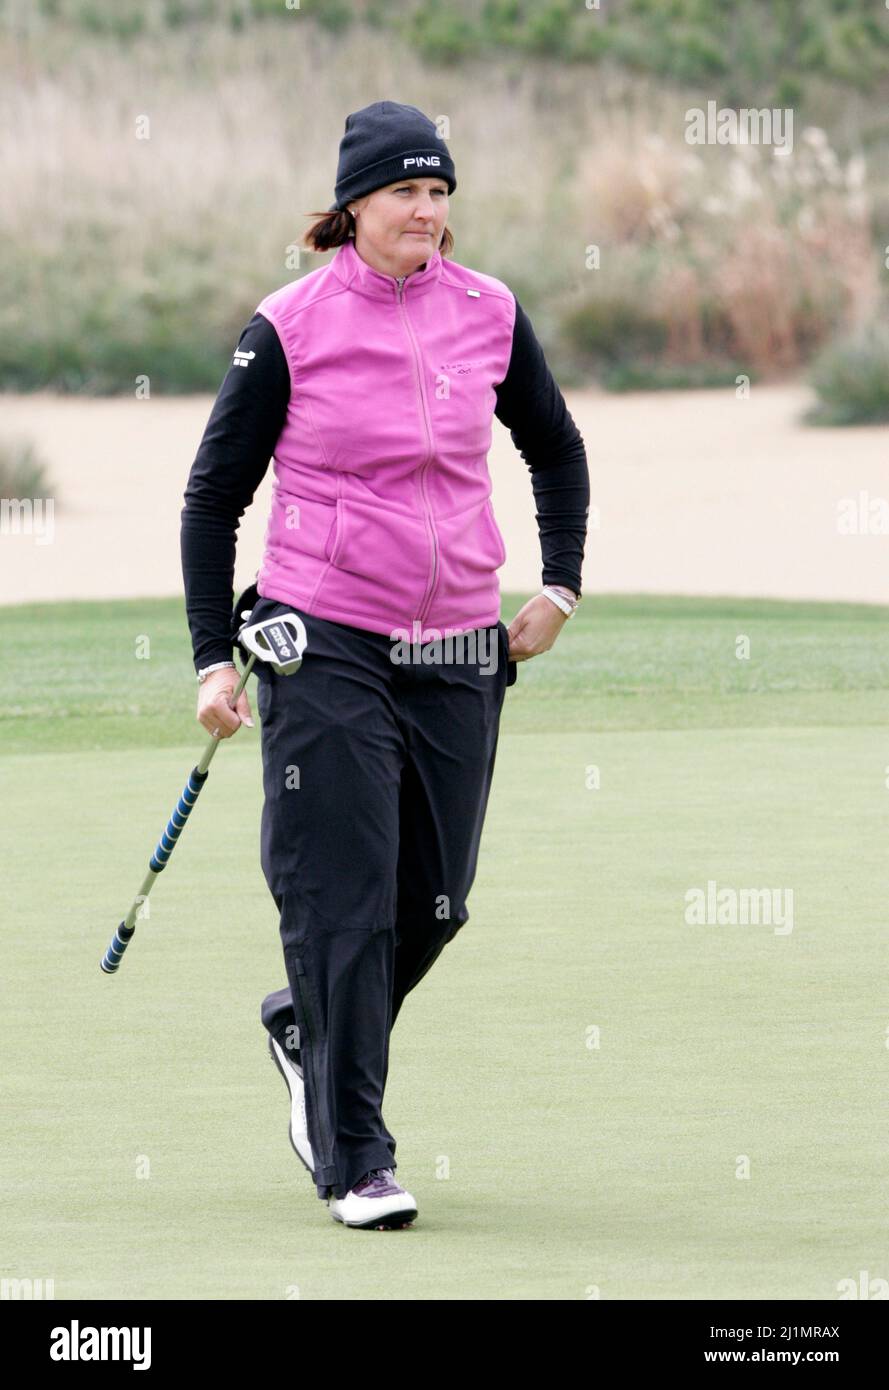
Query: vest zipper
x=427 y=596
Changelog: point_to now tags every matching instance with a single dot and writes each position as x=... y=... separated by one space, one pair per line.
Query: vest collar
x=355 y=272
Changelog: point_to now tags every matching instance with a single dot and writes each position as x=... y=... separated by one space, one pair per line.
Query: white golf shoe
x=299 y=1130
x=376 y=1203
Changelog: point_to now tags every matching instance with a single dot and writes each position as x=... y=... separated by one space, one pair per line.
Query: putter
x=280 y=641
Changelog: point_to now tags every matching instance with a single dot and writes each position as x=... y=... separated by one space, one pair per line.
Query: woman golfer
x=373 y=381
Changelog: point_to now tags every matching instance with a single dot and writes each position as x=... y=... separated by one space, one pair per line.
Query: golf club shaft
x=167 y=843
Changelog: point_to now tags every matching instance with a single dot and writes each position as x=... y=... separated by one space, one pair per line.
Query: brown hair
x=336 y=228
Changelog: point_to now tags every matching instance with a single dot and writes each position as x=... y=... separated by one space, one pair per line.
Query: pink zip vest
x=381 y=514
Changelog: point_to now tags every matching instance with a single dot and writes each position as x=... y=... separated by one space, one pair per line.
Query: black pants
x=376 y=778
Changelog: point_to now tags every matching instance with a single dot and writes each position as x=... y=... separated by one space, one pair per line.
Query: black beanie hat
x=384 y=142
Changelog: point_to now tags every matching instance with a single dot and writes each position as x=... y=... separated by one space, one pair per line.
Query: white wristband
x=204 y=672
x=560 y=600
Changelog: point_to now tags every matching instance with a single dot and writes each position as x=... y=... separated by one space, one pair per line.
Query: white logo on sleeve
x=242 y=359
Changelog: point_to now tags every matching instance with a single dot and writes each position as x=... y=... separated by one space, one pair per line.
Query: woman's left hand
x=535 y=628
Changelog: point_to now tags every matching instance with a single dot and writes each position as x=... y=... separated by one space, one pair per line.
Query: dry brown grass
x=178 y=236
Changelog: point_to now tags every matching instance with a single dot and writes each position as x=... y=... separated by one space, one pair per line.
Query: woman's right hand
x=214 y=703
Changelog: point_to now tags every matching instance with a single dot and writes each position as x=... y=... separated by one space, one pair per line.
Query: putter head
x=279 y=641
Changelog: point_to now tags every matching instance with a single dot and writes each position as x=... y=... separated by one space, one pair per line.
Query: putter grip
x=112 y=957
x=167 y=843
x=176 y=823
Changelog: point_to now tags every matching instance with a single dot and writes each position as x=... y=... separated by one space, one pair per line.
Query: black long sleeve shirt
x=239 y=440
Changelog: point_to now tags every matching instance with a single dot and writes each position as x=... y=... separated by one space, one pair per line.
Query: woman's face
x=402 y=223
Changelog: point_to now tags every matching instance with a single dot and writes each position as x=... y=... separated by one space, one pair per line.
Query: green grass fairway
x=577 y=1083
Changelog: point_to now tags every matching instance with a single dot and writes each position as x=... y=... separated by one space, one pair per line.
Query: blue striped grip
x=176 y=823
x=112 y=957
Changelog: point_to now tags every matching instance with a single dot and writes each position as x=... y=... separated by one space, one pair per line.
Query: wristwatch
x=204 y=672
x=562 y=597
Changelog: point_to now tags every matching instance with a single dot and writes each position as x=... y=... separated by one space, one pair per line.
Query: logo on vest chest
x=458 y=368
